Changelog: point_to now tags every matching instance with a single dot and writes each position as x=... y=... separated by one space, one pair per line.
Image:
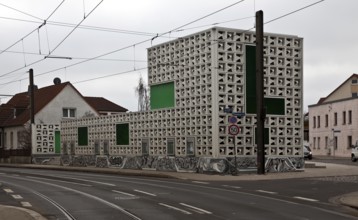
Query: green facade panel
x=162 y=96
x=57 y=142
x=82 y=136
x=274 y=106
x=122 y=134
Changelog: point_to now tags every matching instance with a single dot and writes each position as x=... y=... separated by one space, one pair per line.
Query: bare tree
x=142 y=91
x=24 y=137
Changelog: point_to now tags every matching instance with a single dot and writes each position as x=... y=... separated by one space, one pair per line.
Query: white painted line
x=234 y=187
x=62 y=181
x=306 y=199
x=127 y=194
x=147 y=193
x=200 y=182
x=264 y=191
x=175 y=208
x=199 y=210
x=8 y=190
x=91 y=181
x=26 y=204
x=17 y=196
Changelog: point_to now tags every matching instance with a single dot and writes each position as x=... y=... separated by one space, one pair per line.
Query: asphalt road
x=76 y=195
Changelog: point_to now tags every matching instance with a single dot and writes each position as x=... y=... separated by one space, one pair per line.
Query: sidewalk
x=313 y=169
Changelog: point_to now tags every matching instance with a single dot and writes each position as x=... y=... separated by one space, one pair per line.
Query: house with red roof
x=54 y=103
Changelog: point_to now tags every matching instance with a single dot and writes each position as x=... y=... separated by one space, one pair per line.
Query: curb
x=17 y=213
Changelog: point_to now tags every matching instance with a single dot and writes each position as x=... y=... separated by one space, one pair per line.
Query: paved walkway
x=313 y=169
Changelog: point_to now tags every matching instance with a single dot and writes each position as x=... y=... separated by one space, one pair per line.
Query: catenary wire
x=168 y=32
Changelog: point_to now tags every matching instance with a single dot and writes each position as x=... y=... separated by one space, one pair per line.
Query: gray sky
x=329 y=30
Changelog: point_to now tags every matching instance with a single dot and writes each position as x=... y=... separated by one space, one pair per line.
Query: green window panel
x=162 y=96
x=274 y=106
x=57 y=142
x=122 y=134
x=82 y=136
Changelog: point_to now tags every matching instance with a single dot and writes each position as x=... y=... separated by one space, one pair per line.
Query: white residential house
x=52 y=104
x=333 y=121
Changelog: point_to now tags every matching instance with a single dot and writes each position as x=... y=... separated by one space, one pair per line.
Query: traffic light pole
x=260 y=118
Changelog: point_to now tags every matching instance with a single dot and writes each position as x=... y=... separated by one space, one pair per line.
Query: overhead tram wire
x=280 y=17
x=110 y=75
x=22 y=12
x=144 y=41
x=96 y=78
x=42 y=24
x=74 y=28
x=56 y=46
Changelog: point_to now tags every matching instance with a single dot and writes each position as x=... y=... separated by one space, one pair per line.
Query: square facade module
x=192 y=81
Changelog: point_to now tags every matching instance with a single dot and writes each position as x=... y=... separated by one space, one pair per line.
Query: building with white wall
x=333 y=122
x=53 y=103
x=192 y=80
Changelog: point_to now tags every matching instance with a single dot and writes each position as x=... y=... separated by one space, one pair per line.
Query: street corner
x=18 y=213
x=350 y=199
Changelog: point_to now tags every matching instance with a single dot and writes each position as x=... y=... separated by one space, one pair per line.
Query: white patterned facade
x=209 y=73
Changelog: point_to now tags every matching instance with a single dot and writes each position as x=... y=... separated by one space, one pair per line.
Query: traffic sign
x=233 y=119
x=234 y=129
x=239 y=114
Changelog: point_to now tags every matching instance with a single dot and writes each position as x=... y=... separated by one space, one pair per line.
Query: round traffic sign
x=233 y=119
x=234 y=129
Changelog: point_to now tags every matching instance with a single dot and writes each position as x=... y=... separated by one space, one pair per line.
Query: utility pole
x=260 y=110
x=32 y=97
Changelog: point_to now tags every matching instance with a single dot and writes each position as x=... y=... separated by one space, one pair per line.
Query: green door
x=57 y=142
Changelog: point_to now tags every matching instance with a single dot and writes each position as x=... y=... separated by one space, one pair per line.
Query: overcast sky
x=329 y=30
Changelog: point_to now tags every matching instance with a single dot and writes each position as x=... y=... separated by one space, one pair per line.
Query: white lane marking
x=62 y=181
x=175 y=208
x=264 y=191
x=199 y=210
x=200 y=182
x=147 y=193
x=91 y=181
x=124 y=193
x=306 y=199
x=17 y=196
x=235 y=187
x=8 y=190
x=93 y=197
x=26 y=204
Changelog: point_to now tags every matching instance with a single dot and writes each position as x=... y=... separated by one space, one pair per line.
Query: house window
x=354 y=94
x=170 y=147
x=326 y=121
x=349 y=142
x=190 y=147
x=318 y=143
x=68 y=112
x=314 y=121
x=318 y=121
x=354 y=81
x=314 y=143
x=335 y=143
x=350 y=117
x=335 y=118
x=344 y=118
x=11 y=140
x=326 y=142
